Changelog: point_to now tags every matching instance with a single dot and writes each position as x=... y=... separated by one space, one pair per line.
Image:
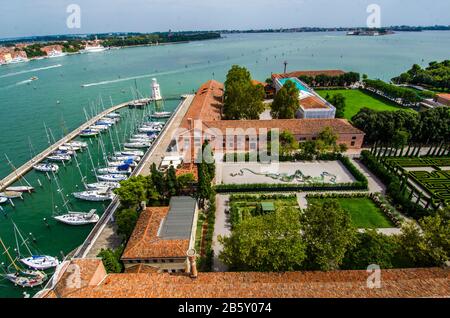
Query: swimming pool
x=297 y=83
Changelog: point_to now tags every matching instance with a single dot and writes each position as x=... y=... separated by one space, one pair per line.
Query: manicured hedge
x=266 y=187
x=399 y=197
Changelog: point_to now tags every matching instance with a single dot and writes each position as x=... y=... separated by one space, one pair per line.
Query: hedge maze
x=436 y=183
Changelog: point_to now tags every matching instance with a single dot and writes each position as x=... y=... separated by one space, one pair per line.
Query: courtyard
x=331 y=172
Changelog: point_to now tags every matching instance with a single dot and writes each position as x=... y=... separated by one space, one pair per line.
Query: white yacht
x=59 y=157
x=95 y=195
x=3 y=200
x=138 y=144
x=79 y=144
x=114 y=170
x=112 y=177
x=78 y=218
x=125 y=158
x=46 y=167
x=103 y=185
x=119 y=163
x=93 y=48
x=89 y=133
x=10 y=194
x=131 y=152
x=20 y=189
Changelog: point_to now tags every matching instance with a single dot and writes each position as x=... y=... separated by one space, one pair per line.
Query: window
x=354 y=138
x=353 y=143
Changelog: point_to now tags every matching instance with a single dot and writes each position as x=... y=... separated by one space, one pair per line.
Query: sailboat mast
x=9 y=256
x=60 y=190
x=16 y=230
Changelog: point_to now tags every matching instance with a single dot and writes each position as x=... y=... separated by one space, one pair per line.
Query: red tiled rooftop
x=295 y=126
x=313 y=102
x=431 y=282
x=444 y=95
x=145 y=243
x=207 y=103
x=309 y=73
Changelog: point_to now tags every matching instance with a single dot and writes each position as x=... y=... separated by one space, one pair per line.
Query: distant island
x=23 y=49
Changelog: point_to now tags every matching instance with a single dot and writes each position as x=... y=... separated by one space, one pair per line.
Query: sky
x=43 y=17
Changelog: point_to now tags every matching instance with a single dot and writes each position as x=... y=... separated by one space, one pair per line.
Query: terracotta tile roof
x=207 y=103
x=309 y=73
x=145 y=243
x=313 y=102
x=256 y=82
x=432 y=282
x=296 y=126
x=91 y=272
x=444 y=95
x=141 y=268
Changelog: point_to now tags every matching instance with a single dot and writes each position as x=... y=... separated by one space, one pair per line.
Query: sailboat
x=89 y=133
x=95 y=195
x=20 y=189
x=130 y=152
x=112 y=177
x=46 y=167
x=11 y=194
x=74 y=218
x=21 y=277
x=40 y=262
x=103 y=185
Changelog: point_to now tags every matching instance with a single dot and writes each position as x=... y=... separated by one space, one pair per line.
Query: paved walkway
x=108 y=238
x=160 y=150
x=375 y=185
x=222 y=227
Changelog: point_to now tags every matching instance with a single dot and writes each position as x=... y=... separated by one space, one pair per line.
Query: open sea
x=70 y=86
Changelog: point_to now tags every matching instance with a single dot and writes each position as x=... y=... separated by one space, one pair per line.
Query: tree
x=268 y=243
x=172 y=182
x=126 y=220
x=371 y=248
x=132 y=191
x=286 y=102
x=157 y=178
x=111 y=260
x=400 y=139
x=208 y=156
x=185 y=180
x=429 y=244
x=242 y=99
x=328 y=232
x=326 y=141
x=204 y=189
x=288 y=143
x=338 y=101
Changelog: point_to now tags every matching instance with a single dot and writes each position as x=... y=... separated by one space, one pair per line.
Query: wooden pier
x=22 y=170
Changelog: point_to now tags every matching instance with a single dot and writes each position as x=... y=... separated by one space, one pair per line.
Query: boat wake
x=31 y=71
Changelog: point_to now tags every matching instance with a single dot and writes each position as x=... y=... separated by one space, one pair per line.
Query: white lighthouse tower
x=156 y=92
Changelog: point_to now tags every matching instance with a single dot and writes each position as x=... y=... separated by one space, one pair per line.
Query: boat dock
x=95 y=240
x=18 y=173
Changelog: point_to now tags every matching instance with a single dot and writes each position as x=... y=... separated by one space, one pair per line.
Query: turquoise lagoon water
x=70 y=84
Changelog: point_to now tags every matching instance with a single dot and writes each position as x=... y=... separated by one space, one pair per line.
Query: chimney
x=192 y=255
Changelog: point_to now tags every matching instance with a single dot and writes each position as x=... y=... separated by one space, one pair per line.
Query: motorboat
x=11 y=194
x=20 y=189
x=46 y=167
x=79 y=144
x=59 y=157
x=78 y=218
x=89 y=133
x=112 y=177
x=131 y=152
x=93 y=49
x=138 y=144
x=115 y=170
x=103 y=185
x=95 y=195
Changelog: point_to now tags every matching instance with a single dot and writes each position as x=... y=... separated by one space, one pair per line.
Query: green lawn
x=357 y=99
x=364 y=213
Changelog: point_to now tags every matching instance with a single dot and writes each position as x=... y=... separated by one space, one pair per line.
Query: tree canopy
x=242 y=99
x=270 y=242
x=338 y=101
x=328 y=233
x=286 y=102
x=436 y=75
